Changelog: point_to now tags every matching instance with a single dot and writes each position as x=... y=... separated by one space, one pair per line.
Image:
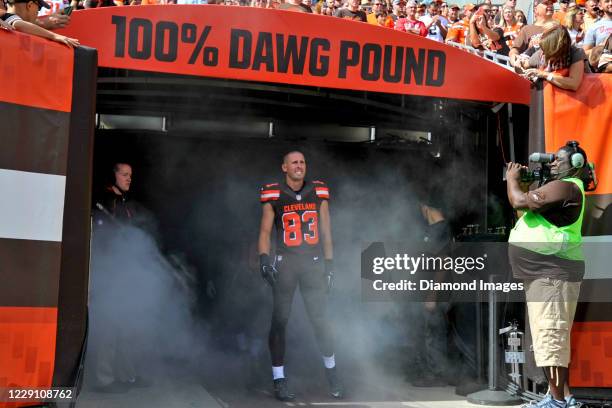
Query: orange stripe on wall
x=35 y=72
x=584 y=116
x=27 y=347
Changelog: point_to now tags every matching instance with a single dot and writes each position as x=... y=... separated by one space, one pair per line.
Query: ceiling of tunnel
x=185 y=101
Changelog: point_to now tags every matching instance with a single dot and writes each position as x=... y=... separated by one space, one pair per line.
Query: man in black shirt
x=113 y=200
x=352 y=12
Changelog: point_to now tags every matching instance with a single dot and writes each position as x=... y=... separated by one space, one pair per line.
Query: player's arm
x=328 y=248
x=265 y=229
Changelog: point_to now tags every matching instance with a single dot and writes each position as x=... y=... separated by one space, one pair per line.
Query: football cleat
x=281 y=390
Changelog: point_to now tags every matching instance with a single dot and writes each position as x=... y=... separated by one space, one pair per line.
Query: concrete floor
x=186 y=394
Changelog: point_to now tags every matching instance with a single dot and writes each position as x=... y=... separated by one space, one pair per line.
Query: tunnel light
x=130 y=122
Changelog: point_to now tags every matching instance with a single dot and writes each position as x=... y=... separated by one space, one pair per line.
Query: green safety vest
x=535 y=233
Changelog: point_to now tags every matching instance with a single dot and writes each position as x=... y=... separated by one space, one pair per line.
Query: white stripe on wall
x=31 y=205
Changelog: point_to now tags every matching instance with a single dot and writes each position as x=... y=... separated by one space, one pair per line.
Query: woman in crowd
x=510 y=26
x=520 y=17
x=557 y=61
x=482 y=36
x=444 y=10
x=573 y=22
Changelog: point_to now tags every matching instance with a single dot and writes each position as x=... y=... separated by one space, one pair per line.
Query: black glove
x=268 y=271
x=329 y=274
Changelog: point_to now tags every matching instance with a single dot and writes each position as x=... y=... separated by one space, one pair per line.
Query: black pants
x=310 y=275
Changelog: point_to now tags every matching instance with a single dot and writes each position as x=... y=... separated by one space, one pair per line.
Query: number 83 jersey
x=296 y=216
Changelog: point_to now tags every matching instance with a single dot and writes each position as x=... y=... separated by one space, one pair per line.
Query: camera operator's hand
x=268 y=271
x=513 y=171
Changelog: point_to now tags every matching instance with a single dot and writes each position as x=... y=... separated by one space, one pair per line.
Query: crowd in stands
x=577 y=35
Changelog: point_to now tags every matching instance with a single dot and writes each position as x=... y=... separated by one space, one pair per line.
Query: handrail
x=501 y=60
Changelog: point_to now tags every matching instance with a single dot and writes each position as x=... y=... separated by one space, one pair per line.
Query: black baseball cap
x=41 y=3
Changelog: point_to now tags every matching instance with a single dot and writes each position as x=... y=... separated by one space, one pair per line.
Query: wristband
x=549 y=77
x=264 y=259
x=329 y=265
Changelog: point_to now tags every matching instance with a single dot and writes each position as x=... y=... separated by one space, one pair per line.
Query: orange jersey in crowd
x=459 y=31
x=511 y=33
x=560 y=17
x=388 y=22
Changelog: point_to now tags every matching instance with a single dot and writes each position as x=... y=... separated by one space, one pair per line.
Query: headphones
x=576 y=159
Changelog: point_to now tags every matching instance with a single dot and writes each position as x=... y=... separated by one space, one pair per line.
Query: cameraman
x=545 y=250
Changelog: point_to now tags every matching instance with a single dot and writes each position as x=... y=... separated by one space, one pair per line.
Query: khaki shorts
x=551 y=305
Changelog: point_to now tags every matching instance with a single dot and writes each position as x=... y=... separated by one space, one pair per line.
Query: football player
x=298 y=208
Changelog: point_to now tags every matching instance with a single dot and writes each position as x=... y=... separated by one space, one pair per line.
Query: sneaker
x=281 y=390
x=547 y=402
x=335 y=385
x=572 y=403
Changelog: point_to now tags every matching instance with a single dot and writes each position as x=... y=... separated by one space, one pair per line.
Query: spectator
x=600 y=57
x=508 y=4
x=351 y=12
x=379 y=7
x=399 y=10
x=382 y=19
x=453 y=15
x=591 y=14
x=557 y=61
x=599 y=31
x=436 y=25
x=295 y=5
x=444 y=10
x=420 y=11
x=410 y=24
x=494 y=13
x=520 y=17
x=4 y=25
x=573 y=22
x=468 y=10
x=509 y=25
x=328 y=8
x=560 y=14
x=482 y=37
x=529 y=36
x=21 y=16
x=459 y=30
